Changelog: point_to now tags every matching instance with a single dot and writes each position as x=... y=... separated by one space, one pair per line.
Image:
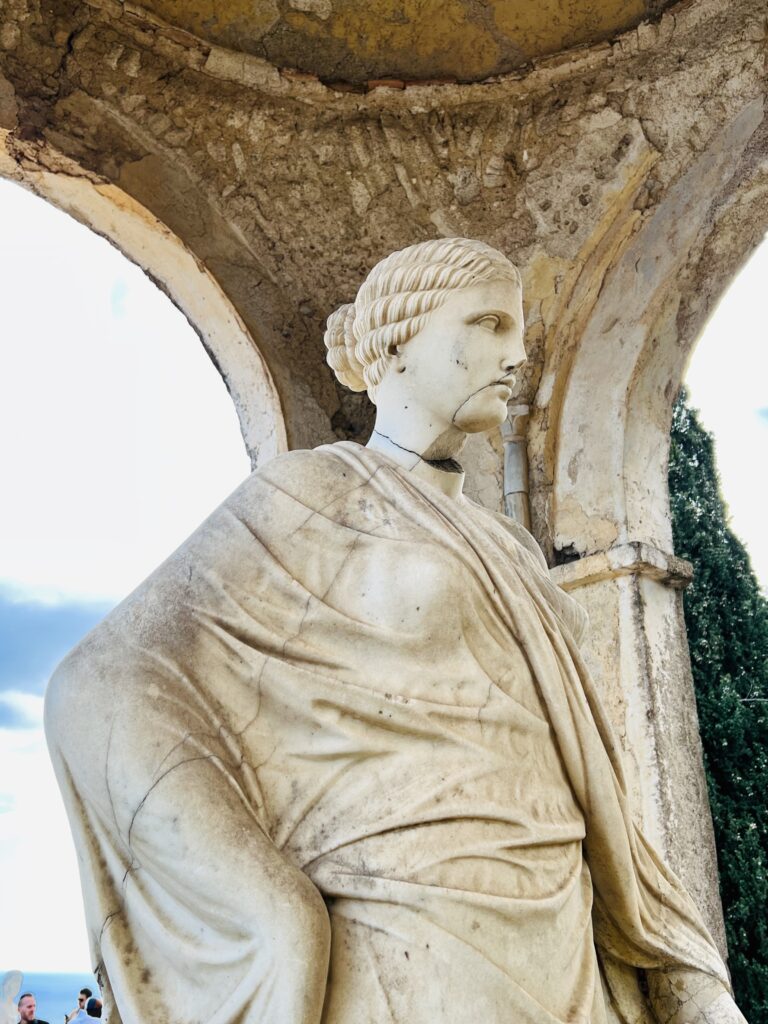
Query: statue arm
x=690 y=997
x=294 y=920
x=258 y=897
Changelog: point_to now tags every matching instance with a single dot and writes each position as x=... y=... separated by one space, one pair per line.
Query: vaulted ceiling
x=354 y=41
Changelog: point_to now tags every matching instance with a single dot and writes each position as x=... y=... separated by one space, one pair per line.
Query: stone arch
x=611 y=427
x=146 y=241
x=600 y=441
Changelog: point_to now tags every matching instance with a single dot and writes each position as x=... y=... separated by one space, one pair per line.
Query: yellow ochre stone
x=410 y=39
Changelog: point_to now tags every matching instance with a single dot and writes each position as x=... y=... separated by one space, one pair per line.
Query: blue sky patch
x=34 y=637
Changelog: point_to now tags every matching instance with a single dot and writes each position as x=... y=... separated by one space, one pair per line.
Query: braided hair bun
x=340 y=342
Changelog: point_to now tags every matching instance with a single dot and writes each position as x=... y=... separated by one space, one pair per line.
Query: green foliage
x=726 y=616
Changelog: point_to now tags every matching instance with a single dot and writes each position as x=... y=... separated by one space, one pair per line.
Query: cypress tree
x=726 y=616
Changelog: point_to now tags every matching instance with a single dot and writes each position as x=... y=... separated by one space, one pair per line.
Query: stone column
x=637 y=651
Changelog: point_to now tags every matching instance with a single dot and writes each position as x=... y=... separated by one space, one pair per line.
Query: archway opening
x=119 y=437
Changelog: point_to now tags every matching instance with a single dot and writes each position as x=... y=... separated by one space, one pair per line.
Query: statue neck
x=432 y=461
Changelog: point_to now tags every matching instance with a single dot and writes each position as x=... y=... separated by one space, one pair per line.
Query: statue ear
x=396 y=354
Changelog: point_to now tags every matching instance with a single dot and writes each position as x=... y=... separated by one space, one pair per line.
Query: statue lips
x=507 y=383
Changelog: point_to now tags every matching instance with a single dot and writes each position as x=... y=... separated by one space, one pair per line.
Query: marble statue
x=11 y=986
x=346 y=764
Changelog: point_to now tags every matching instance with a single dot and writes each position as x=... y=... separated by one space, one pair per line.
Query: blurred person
x=27 y=1008
x=79 y=1011
x=93 y=1007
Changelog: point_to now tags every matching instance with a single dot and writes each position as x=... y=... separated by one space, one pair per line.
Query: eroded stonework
x=346 y=42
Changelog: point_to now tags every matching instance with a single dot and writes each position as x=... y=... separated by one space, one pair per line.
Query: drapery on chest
x=363 y=764
x=403 y=701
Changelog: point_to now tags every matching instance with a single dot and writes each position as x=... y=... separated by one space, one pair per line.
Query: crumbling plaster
x=638 y=655
x=605 y=490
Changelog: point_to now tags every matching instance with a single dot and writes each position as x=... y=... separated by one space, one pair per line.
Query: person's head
x=27 y=1006
x=93 y=1007
x=83 y=996
x=424 y=298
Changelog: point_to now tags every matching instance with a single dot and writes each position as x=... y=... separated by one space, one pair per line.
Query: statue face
x=459 y=367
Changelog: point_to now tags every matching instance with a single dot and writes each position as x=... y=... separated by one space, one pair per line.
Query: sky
x=118 y=438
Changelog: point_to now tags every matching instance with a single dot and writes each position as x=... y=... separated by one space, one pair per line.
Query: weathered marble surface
x=347 y=763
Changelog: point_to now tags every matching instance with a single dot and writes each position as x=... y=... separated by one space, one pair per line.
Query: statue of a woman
x=346 y=764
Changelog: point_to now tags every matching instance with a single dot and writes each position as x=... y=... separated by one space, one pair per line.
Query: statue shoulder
x=312 y=475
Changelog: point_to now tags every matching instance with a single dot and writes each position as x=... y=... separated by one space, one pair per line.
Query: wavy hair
x=396 y=298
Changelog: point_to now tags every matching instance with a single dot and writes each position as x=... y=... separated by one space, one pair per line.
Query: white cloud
x=26 y=707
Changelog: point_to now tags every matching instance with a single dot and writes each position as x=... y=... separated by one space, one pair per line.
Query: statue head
x=397 y=299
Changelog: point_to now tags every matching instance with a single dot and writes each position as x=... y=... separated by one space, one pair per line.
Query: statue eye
x=490 y=321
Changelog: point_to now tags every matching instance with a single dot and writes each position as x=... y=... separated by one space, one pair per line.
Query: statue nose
x=513 y=367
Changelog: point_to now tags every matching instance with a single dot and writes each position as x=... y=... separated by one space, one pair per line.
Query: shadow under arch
x=151 y=245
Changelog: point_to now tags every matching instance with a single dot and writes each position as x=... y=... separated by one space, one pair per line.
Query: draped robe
x=347 y=683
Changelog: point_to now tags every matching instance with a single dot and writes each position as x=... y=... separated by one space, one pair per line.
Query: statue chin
x=483 y=411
